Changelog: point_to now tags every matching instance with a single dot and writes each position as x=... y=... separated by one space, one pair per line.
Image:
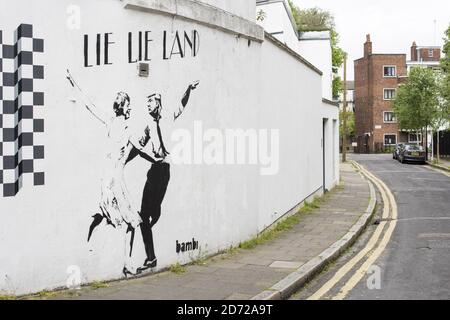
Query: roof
x=288 y=11
x=315 y=35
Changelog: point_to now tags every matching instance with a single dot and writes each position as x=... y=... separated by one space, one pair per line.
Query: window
x=414 y=137
x=389 y=117
x=390 y=71
x=390 y=139
x=389 y=94
x=430 y=53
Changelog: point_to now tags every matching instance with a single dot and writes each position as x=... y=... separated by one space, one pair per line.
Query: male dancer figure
x=159 y=174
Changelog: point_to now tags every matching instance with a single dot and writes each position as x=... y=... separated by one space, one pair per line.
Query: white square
x=38 y=85
x=38 y=139
x=27 y=153
x=38 y=112
x=27 y=179
x=9 y=148
x=26 y=71
x=39 y=165
x=9 y=65
x=1 y=190
x=20 y=182
x=9 y=176
x=9 y=120
x=25 y=44
x=9 y=93
x=27 y=125
x=26 y=98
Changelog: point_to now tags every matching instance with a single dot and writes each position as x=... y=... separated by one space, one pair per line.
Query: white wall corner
x=201 y=13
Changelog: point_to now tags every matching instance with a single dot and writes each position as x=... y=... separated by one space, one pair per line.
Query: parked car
x=397 y=150
x=412 y=153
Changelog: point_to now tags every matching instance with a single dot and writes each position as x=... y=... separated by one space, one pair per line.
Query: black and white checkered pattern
x=21 y=106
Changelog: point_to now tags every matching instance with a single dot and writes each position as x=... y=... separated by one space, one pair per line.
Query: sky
x=393 y=25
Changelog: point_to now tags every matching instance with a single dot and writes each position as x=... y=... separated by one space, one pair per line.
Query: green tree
x=445 y=85
x=417 y=104
x=316 y=19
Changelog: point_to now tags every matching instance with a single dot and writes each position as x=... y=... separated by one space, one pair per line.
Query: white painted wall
x=242 y=8
x=44 y=229
x=316 y=48
x=278 y=23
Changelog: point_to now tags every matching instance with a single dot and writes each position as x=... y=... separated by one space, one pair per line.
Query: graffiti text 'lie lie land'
x=179 y=44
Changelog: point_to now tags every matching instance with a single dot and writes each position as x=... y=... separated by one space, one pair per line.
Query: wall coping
x=332 y=103
x=201 y=13
x=284 y=47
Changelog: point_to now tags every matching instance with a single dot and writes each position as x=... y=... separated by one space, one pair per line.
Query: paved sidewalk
x=243 y=275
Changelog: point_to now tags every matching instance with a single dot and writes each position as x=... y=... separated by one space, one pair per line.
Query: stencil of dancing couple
x=115 y=206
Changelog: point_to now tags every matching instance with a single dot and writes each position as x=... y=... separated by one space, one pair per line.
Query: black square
x=25 y=31
x=10 y=162
x=26 y=112
x=25 y=57
x=26 y=139
x=10 y=189
x=9 y=107
x=9 y=134
x=39 y=179
x=8 y=79
x=27 y=166
x=1 y=176
x=38 y=45
x=1 y=36
x=38 y=72
x=8 y=52
x=38 y=99
x=38 y=125
x=25 y=85
x=38 y=152
x=1 y=149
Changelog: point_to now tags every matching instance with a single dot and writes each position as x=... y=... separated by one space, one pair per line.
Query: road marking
x=368 y=248
x=438 y=170
x=434 y=236
x=359 y=274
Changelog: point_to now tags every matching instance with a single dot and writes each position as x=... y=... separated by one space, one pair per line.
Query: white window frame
x=384 y=90
x=389 y=134
x=384 y=121
x=390 y=66
x=419 y=136
x=430 y=53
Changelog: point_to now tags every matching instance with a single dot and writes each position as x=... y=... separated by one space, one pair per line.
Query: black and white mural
x=21 y=105
x=115 y=205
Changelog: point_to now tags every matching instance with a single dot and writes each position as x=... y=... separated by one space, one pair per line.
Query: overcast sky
x=393 y=24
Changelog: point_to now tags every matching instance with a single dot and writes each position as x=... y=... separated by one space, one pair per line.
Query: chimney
x=414 y=52
x=367 y=47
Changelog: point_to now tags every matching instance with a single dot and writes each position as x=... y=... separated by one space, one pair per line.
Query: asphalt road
x=416 y=261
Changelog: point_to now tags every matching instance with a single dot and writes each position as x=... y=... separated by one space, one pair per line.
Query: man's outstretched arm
x=185 y=100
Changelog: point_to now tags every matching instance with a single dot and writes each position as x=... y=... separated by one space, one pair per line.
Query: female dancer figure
x=115 y=205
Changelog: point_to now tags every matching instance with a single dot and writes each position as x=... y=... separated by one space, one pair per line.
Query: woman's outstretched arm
x=90 y=106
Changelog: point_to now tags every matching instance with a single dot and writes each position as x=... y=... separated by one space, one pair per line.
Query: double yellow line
x=372 y=250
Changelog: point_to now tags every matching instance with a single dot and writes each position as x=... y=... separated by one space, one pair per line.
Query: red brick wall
x=424 y=54
x=369 y=95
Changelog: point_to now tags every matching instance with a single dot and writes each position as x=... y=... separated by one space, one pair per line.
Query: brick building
x=377 y=77
x=429 y=57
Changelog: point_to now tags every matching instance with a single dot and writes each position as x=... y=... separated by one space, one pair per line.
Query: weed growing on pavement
x=98 y=284
x=271 y=234
x=177 y=268
x=6 y=297
x=46 y=294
